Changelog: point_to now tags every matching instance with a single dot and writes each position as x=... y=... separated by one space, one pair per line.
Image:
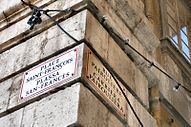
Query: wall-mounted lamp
x=35 y=18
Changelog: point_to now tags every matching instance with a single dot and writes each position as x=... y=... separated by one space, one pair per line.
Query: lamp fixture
x=35 y=18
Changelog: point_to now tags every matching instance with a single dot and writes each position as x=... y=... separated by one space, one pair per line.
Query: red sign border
x=54 y=85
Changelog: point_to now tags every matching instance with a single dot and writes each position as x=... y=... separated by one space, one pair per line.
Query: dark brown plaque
x=104 y=84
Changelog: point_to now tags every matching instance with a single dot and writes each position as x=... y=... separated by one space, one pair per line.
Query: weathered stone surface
x=178 y=100
x=4 y=94
x=57 y=39
x=12 y=120
x=137 y=5
x=96 y=35
x=117 y=23
x=165 y=84
x=42 y=45
x=75 y=104
x=149 y=39
x=93 y=113
x=57 y=110
x=14 y=30
x=146 y=119
x=132 y=18
x=124 y=16
x=15 y=58
x=11 y=12
x=137 y=22
x=189 y=107
x=15 y=91
x=4 y=5
x=124 y=31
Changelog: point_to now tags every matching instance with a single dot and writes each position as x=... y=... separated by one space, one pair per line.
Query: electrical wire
x=112 y=31
x=57 y=23
x=131 y=106
x=29 y=5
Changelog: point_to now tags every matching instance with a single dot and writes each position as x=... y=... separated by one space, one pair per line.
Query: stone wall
x=75 y=103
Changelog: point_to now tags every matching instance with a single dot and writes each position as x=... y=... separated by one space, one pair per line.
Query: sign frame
x=54 y=85
x=98 y=92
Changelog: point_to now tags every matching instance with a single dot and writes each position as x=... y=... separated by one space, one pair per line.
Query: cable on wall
x=57 y=23
x=109 y=28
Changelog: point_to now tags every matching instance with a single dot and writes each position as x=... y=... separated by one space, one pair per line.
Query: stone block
x=12 y=120
x=4 y=5
x=189 y=107
x=181 y=103
x=117 y=23
x=149 y=39
x=124 y=31
x=126 y=11
x=96 y=35
x=14 y=30
x=73 y=105
x=15 y=91
x=4 y=94
x=93 y=113
x=57 y=110
x=142 y=87
x=137 y=5
x=144 y=116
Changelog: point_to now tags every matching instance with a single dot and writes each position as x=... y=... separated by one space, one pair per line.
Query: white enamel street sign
x=49 y=74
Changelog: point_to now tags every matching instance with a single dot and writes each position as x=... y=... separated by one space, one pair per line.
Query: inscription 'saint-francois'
x=49 y=74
